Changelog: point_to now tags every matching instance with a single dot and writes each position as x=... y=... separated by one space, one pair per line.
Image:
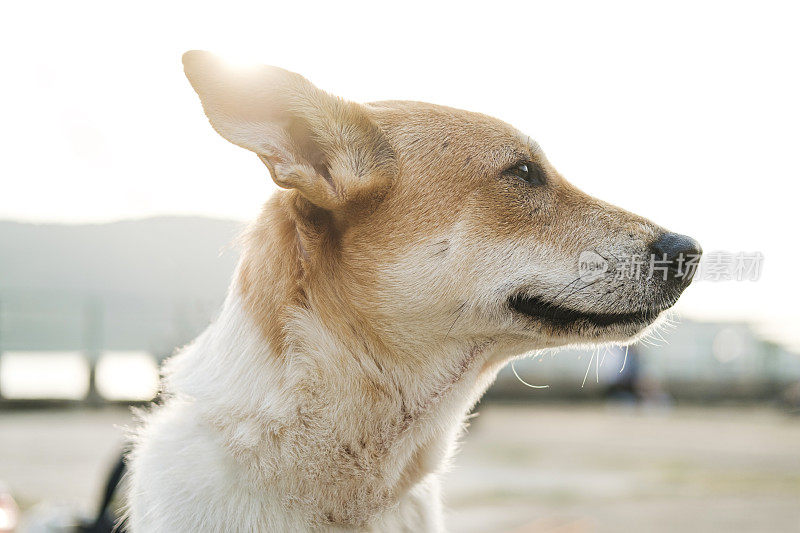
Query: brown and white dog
x=414 y=250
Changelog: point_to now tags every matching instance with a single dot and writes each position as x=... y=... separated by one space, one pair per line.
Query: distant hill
x=137 y=284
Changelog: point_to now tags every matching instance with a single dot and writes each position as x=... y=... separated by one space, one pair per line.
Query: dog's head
x=428 y=223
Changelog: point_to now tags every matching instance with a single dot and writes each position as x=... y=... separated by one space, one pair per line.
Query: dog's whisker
x=555 y=298
x=605 y=353
x=460 y=311
x=514 y=369
x=588 y=367
x=581 y=289
x=597 y=366
x=625 y=359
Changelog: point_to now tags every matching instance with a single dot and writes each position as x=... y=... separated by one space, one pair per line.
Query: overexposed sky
x=687 y=113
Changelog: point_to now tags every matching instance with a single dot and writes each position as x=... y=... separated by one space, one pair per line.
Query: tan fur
x=369 y=310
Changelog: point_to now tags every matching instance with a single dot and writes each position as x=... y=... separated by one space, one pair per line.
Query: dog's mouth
x=563 y=316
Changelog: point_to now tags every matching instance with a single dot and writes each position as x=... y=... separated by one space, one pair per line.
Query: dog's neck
x=344 y=425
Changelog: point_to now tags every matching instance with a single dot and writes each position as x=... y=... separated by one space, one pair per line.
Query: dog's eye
x=528 y=172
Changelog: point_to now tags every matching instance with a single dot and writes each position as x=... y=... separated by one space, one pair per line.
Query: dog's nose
x=678 y=253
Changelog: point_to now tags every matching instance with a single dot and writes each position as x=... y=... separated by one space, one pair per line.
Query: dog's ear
x=325 y=147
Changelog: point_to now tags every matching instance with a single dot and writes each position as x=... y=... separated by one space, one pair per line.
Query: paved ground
x=521 y=469
x=597 y=469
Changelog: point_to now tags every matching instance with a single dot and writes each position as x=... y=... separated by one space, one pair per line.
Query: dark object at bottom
x=106 y=520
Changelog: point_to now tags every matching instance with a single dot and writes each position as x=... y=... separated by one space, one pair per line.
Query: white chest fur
x=317 y=438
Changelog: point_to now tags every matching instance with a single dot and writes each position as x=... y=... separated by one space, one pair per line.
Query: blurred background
x=119 y=209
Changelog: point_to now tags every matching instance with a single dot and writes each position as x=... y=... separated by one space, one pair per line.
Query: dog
x=411 y=251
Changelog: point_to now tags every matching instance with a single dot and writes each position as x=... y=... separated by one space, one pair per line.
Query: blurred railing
x=67 y=347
